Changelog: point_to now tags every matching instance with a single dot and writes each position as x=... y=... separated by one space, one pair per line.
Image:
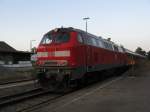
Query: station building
x=9 y=55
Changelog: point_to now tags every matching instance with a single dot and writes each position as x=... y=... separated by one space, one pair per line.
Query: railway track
x=6 y=100
x=16 y=99
x=50 y=99
x=20 y=87
x=17 y=81
x=19 y=98
x=33 y=100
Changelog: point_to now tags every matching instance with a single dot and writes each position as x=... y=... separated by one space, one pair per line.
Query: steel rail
x=17 y=81
x=6 y=100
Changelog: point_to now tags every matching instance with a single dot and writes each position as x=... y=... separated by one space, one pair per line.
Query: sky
x=126 y=22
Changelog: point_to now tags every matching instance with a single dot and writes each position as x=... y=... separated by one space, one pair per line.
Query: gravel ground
x=15 y=74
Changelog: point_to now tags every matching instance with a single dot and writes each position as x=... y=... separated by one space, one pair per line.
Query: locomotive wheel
x=82 y=82
x=46 y=83
x=64 y=86
x=54 y=85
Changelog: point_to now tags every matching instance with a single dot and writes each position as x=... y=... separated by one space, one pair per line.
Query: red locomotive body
x=67 y=54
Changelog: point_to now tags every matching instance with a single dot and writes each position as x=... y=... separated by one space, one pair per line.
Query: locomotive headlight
x=62 y=53
x=42 y=54
x=54 y=53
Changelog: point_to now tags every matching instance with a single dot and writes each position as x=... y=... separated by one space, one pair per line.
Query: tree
x=33 y=50
x=139 y=50
x=148 y=55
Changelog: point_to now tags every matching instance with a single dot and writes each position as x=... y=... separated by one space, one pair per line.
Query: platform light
x=31 y=44
x=62 y=53
x=86 y=19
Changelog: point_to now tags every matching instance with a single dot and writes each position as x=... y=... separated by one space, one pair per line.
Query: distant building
x=9 y=55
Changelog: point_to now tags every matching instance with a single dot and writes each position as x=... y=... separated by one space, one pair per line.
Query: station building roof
x=4 y=47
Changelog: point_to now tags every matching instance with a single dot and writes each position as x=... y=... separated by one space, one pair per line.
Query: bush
x=148 y=55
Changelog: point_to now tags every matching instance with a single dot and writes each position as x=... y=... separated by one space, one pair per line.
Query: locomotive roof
x=94 y=36
x=69 y=29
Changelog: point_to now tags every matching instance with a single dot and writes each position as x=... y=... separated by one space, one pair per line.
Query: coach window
x=116 y=48
x=123 y=49
x=110 y=46
x=120 y=49
x=106 y=45
x=80 y=38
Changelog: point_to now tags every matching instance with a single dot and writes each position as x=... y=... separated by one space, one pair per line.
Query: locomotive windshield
x=55 y=38
x=47 y=39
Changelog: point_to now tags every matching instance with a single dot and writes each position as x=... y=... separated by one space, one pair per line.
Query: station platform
x=127 y=93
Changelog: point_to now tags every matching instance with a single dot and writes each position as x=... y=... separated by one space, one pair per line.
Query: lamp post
x=31 y=45
x=86 y=19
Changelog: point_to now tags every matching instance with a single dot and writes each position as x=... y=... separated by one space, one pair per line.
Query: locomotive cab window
x=61 y=38
x=55 y=38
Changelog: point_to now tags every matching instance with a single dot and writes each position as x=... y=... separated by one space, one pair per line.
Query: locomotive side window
x=80 y=38
x=92 y=40
x=94 y=43
x=85 y=39
x=100 y=44
x=88 y=40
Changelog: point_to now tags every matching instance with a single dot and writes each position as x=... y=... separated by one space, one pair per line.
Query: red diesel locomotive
x=65 y=55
